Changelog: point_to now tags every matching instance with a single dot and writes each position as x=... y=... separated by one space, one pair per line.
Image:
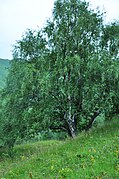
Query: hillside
x=92 y=155
x=4 y=65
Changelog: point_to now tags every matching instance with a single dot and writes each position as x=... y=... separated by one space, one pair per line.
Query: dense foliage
x=63 y=76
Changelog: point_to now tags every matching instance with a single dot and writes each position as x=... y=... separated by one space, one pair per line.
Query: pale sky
x=16 y=16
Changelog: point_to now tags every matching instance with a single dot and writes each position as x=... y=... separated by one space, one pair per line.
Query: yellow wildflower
x=92 y=159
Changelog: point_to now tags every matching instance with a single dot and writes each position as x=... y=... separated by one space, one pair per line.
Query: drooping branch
x=92 y=119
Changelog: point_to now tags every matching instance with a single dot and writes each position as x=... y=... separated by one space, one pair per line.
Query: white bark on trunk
x=70 y=119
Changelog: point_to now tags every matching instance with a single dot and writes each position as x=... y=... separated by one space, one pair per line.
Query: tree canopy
x=63 y=76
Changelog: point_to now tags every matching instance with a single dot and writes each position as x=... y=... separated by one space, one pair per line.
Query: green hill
x=92 y=155
x=4 y=65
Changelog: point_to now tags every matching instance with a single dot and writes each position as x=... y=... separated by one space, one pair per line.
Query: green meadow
x=91 y=155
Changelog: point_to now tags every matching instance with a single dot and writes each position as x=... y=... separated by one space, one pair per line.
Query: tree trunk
x=70 y=120
x=71 y=127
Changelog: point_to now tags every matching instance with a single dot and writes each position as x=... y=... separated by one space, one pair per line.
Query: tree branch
x=96 y=113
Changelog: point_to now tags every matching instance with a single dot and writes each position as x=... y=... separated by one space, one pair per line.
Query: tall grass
x=92 y=155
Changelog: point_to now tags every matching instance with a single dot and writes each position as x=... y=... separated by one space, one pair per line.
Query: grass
x=92 y=155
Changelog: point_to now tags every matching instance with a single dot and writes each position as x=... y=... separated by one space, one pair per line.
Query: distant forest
x=4 y=66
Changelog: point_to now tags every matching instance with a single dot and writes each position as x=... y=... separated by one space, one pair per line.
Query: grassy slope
x=4 y=65
x=92 y=155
